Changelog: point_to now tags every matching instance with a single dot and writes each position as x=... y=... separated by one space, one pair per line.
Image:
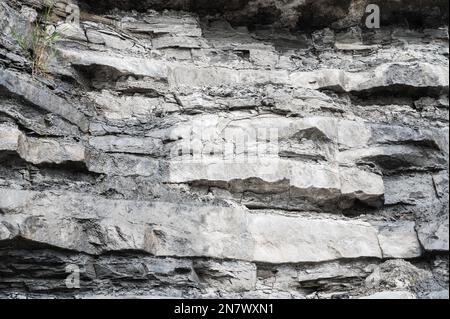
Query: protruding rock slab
x=9 y=137
x=179 y=77
x=52 y=151
x=97 y=225
x=419 y=75
x=310 y=180
x=36 y=94
x=280 y=13
x=433 y=223
x=39 y=150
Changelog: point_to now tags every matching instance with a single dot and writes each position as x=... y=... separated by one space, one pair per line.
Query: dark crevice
x=29 y=245
x=68 y=167
x=97 y=76
x=307 y=15
x=10 y=159
x=398 y=91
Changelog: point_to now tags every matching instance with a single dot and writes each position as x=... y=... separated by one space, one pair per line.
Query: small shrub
x=39 y=47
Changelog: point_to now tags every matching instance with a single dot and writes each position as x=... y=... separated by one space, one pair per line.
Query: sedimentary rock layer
x=232 y=149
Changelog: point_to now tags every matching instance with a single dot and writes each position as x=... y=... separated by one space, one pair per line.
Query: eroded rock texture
x=255 y=148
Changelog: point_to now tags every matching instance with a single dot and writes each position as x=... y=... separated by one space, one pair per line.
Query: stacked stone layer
x=123 y=159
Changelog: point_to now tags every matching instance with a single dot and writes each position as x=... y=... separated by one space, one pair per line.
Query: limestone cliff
x=234 y=149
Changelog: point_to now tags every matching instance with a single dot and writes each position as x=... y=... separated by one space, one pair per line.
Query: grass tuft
x=39 y=46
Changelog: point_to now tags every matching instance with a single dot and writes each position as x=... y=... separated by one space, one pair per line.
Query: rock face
x=236 y=149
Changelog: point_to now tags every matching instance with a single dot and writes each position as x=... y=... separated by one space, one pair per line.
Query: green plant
x=39 y=46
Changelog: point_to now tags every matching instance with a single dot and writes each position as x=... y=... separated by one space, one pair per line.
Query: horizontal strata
x=316 y=181
x=96 y=225
x=175 y=76
x=39 y=150
x=19 y=86
x=148 y=277
x=335 y=178
x=236 y=149
x=294 y=13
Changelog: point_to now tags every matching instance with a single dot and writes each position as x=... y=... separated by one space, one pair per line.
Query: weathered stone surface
x=226 y=276
x=182 y=25
x=398 y=275
x=389 y=75
x=433 y=232
x=123 y=164
x=39 y=150
x=314 y=14
x=94 y=225
x=399 y=240
x=40 y=96
x=13 y=22
x=433 y=225
x=130 y=145
x=305 y=180
x=9 y=137
x=392 y=295
x=140 y=274
x=329 y=276
x=129 y=66
x=234 y=149
x=129 y=109
x=438 y=295
x=409 y=190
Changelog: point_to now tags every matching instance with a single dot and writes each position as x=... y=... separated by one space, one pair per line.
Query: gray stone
x=392 y=295
x=399 y=240
x=95 y=225
x=402 y=74
x=130 y=145
x=438 y=295
x=229 y=149
x=122 y=164
x=228 y=276
x=40 y=96
x=9 y=137
x=40 y=150
x=398 y=275
x=433 y=233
